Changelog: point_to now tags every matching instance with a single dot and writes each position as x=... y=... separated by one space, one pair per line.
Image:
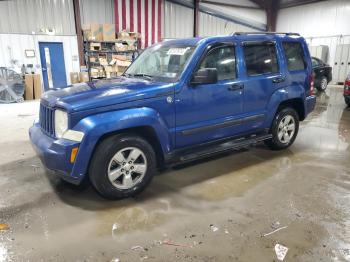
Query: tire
x=278 y=142
x=113 y=175
x=347 y=101
x=322 y=86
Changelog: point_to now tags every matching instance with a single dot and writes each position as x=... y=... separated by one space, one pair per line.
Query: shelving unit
x=105 y=50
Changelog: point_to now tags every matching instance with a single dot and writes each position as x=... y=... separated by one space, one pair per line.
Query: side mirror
x=205 y=76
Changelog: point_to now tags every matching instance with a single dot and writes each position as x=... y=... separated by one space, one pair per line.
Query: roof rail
x=263 y=33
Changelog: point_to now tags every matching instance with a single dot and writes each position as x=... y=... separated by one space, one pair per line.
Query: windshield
x=163 y=62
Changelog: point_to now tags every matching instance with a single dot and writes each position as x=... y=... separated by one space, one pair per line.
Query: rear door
x=262 y=77
x=298 y=64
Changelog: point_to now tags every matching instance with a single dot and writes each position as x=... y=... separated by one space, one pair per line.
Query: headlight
x=61 y=122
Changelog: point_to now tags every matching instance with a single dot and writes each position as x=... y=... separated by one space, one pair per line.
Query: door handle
x=278 y=80
x=235 y=87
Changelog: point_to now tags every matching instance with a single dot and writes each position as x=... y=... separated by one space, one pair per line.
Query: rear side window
x=295 y=56
x=260 y=58
x=224 y=60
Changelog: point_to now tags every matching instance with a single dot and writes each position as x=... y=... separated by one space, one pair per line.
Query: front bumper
x=54 y=153
x=310 y=103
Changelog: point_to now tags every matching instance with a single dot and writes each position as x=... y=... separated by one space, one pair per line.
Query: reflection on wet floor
x=305 y=188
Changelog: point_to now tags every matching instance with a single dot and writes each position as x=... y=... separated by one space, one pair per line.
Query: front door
x=210 y=111
x=52 y=65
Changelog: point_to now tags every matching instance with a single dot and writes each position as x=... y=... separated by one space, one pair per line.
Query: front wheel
x=284 y=129
x=122 y=166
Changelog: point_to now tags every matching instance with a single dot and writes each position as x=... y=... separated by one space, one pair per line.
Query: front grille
x=46 y=119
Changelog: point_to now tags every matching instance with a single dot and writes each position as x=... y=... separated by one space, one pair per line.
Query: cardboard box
x=95 y=46
x=29 y=87
x=93 y=32
x=92 y=59
x=108 y=31
x=121 y=47
x=74 y=77
x=33 y=88
x=83 y=77
x=37 y=86
x=123 y=63
x=103 y=61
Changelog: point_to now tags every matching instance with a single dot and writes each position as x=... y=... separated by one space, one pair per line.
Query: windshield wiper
x=149 y=77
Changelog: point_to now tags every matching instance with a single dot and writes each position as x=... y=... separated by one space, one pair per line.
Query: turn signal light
x=73 y=154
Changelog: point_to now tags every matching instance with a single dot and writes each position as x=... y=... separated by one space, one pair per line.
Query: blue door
x=52 y=64
x=211 y=111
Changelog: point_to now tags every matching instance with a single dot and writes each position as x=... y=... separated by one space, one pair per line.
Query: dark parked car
x=347 y=90
x=322 y=72
x=180 y=100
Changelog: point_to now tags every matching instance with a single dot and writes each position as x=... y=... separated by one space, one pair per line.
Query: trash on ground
x=274 y=231
x=214 y=228
x=115 y=260
x=226 y=231
x=138 y=248
x=281 y=251
x=115 y=227
x=4 y=227
x=275 y=225
x=170 y=243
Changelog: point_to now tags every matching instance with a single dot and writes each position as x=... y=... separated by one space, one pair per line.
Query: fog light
x=73 y=154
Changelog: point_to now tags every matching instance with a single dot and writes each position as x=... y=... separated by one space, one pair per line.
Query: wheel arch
x=146 y=132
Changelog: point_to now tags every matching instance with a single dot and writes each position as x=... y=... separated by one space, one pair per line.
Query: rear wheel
x=323 y=84
x=122 y=166
x=284 y=129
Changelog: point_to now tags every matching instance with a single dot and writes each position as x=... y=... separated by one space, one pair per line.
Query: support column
x=79 y=32
x=195 y=17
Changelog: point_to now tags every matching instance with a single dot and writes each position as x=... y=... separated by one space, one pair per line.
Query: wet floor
x=218 y=209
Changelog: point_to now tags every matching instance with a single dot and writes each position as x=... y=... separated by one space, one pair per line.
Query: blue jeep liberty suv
x=180 y=100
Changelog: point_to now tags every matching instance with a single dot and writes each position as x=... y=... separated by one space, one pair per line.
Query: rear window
x=295 y=56
x=260 y=58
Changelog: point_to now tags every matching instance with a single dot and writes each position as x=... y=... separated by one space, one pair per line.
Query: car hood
x=84 y=96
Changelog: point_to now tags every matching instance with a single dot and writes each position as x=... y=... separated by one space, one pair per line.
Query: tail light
x=312 y=87
x=347 y=87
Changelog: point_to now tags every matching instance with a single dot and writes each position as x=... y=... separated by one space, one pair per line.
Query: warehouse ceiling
x=261 y=4
x=283 y=3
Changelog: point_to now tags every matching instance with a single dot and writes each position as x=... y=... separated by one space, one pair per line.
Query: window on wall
x=260 y=58
x=224 y=60
x=295 y=56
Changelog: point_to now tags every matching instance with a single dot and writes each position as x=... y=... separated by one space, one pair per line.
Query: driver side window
x=223 y=59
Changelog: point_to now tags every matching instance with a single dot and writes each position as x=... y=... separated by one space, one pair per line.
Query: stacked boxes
x=33 y=88
x=93 y=32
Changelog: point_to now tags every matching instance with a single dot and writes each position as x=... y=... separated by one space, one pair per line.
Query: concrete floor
x=244 y=194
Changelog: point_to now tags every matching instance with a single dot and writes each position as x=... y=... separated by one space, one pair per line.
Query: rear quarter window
x=260 y=58
x=294 y=55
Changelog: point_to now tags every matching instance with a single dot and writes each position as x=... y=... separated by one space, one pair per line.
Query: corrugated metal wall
x=13 y=48
x=323 y=23
x=210 y=25
x=27 y=16
x=93 y=11
x=318 y=19
x=178 y=20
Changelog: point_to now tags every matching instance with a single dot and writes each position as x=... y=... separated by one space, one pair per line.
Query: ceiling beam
x=300 y=2
x=229 y=5
x=271 y=14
